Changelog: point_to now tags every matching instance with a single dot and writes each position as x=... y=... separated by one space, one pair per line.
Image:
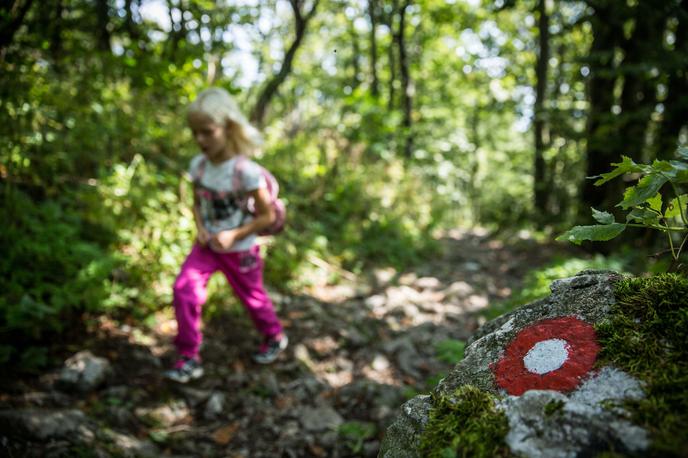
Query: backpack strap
x=200 y=170
x=238 y=175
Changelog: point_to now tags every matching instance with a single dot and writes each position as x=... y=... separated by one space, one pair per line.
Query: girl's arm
x=264 y=217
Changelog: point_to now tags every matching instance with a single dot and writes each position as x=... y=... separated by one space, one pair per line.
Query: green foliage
x=450 y=351
x=646 y=206
x=51 y=272
x=536 y=282
x=355 y=433
x=647 y=336
x=465 y=423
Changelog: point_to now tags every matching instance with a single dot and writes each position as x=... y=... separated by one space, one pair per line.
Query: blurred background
x=387 y=123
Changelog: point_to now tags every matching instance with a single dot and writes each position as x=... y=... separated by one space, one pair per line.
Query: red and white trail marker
x=554 y=354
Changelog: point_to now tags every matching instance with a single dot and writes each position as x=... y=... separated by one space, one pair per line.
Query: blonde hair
x=221 y=107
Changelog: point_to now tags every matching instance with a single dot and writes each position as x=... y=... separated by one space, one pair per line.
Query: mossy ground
x=647 y=336
x=466 y=424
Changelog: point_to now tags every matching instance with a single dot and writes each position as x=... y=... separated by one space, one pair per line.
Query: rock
x=320 y=418
x=215 y=406
x=194 y=396
x=459 y=289
x=128 y=446
x=428 y=283
x=50 y=399
x=579 y=424
x=39 y=424
x=539 y=363
x=83 y=372
x=402 y=437
x=165 y=415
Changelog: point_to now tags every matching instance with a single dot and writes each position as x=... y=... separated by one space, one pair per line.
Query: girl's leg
x=244 y=271
x=190 y=293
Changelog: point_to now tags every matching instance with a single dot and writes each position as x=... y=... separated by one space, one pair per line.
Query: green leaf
x=643 y=215
x=673 y=209
x=656 y=203
x=597 y=233
x=602 y=217
x=625 y=166
x=681 y=177
x=646 y=188
x=662 y=166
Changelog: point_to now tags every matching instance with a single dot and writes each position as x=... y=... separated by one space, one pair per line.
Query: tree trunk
x=11 y=21
x=372 y=13
x=601 y=148
x=638 y=97
x=272 y=86
x=407 y=89
x=540 y=190
x=103 y=22
x=675 y=115
x=391 y=53
x=56 y=49
x=356 y=56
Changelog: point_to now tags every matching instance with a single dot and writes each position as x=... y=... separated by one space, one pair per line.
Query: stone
x=42 y=425
x=83 y=372
x=128 y=446
x=164 y=415
x=539 y=363
x=215 y=405
x=321 y=418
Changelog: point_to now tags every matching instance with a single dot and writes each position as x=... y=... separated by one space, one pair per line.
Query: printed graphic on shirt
x=219 y=201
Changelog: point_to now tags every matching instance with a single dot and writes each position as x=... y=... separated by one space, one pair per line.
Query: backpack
x=246 y=202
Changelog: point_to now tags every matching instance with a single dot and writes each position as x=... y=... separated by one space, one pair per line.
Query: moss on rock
x=465 y=423
x=646 y=334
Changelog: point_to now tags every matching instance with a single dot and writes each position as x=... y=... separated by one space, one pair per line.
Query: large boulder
x=534 y=371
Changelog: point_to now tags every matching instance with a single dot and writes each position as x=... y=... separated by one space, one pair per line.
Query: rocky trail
x=357 y=351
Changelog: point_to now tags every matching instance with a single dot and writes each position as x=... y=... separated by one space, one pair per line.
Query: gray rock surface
x=41 y=424
x=321 y=418
x=583 y=420
x=83 y=372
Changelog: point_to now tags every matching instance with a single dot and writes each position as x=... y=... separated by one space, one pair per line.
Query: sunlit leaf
x=646 y=188
x=597 y=233
x=625 y=166
x=674 y=208
x=656 y=202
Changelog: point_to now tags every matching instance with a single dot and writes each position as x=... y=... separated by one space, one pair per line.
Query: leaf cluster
x=645 y=205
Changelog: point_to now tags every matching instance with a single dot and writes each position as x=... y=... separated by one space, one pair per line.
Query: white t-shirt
x=219 y=203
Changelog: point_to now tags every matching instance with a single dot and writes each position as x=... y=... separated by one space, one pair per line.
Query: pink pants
x=244 y=271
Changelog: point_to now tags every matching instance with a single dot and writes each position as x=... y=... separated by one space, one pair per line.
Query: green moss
x=465 y=424
x=647 y=336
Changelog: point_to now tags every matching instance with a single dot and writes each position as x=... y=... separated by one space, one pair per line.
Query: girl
x=226 y=232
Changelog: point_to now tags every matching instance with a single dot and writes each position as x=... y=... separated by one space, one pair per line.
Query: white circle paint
x=546 y=356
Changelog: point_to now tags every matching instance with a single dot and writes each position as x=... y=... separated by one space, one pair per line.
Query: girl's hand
x=223 y=240
x=203 y=236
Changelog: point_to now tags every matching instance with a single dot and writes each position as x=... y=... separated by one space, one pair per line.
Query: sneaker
x=184 y=370
x=270 y=349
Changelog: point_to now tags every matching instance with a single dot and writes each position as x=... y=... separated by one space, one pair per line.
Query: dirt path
x=357 y=352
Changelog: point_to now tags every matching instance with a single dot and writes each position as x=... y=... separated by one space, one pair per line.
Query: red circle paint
x=581 y=344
